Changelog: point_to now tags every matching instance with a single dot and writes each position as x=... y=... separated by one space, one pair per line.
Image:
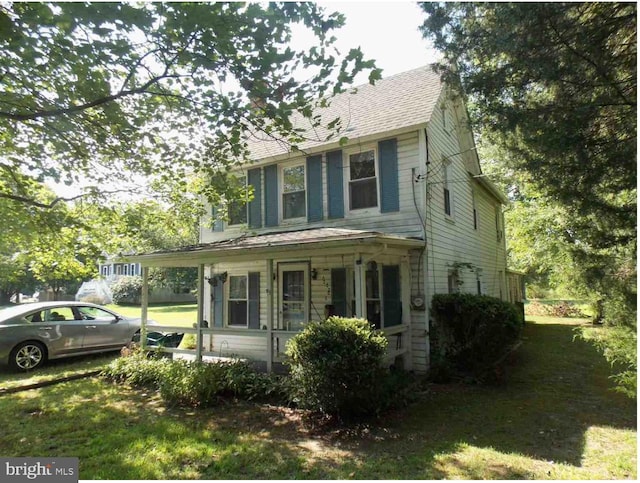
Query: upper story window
x=238 y=208
x=293 y=192
x=499 y=226
x=448 y=198
x=363 y=184
x=475 y=210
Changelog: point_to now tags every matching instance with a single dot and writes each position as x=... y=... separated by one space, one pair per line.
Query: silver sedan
x=30 y=334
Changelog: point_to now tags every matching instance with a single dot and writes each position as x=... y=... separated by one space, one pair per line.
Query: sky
x=386 y=32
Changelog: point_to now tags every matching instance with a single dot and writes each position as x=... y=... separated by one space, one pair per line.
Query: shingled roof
x=400 y=101
x=305 y=240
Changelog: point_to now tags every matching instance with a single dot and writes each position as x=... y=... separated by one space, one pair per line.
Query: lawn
x=183 y=315
x=555 y=418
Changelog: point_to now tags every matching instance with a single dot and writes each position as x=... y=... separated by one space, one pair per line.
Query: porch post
x=144 y=305
x=361 y=289
x=200 y=312
x=269 y=315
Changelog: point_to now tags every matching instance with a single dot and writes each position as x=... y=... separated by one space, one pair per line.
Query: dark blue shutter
x=391 y=295
x=339 y=291
x=254 y=300
x=271 y=195
x=335 y=185
x=388 y=169
x=218 y=301
x=216 y=225
x=254 y=177
x=314 y=188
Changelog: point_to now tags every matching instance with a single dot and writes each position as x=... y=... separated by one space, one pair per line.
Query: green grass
x=184 y=315
x=556 y=418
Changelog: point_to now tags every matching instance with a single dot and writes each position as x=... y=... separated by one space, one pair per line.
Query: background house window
x=363 y=184
x=293 y=192
x=238 y=208
x=237 y=302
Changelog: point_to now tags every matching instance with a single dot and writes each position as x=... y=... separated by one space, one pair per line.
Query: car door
x=104 y=329
x=59 y=329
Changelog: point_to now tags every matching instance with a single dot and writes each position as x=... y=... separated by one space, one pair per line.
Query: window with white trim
x=133 y=270
x=453 y=281
x=294 y=202
x=374 y=306
x=448 y=199
x=363 y=181
x=474 y=207
x=237 y=301
x=499 y=226
x=237 y=209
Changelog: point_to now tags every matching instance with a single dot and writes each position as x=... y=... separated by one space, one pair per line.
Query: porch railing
x=397 y=337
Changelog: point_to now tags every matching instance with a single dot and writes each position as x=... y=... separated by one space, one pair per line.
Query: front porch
x=256 y=293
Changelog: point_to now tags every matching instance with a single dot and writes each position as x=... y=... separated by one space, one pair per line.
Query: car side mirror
x=117 y=319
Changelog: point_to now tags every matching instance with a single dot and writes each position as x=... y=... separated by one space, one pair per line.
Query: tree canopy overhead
x=554 y=84
x=102 y=90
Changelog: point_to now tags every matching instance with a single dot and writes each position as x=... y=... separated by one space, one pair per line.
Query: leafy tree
x=107 y=91
x=554 y=87
x=22 y=227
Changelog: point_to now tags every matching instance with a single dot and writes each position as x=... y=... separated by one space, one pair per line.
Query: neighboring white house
x=112 y=268
x=371 y=228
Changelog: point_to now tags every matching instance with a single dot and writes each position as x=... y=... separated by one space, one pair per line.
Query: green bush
x=127 y=289
x=472 y=332
x=189 y=383
x=336 y=367
x=138 y=368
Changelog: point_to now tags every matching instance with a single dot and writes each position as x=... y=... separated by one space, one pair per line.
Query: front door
x=293 y=297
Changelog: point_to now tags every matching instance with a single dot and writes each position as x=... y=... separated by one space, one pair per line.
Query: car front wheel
x=28 y=356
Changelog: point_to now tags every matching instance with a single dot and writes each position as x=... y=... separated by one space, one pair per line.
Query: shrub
x=472 y=331
x=336 y=367
x=189 y=383
x=137 y=368
x=126 y=289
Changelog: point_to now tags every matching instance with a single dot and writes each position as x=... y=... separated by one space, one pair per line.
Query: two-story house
x=371 y=228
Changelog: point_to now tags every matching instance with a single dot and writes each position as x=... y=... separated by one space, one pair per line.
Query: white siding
x=453 y=239
x=450 y=240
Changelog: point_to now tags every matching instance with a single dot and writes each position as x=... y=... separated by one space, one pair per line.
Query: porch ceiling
x=277 y=244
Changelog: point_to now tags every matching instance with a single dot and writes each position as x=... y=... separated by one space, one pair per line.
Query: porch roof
x=293 y=243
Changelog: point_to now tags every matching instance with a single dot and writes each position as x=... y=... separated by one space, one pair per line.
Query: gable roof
x=401 y=101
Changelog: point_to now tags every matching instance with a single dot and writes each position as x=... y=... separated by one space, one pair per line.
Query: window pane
x=362 y=165
x=238 y=287
x=293 y=179
x=447 y=201
x=293 y=286
x=237 y=212
x=237 y=312
x=293 y=205
x=373 y=312
x=363 y=194
x=371 y=278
